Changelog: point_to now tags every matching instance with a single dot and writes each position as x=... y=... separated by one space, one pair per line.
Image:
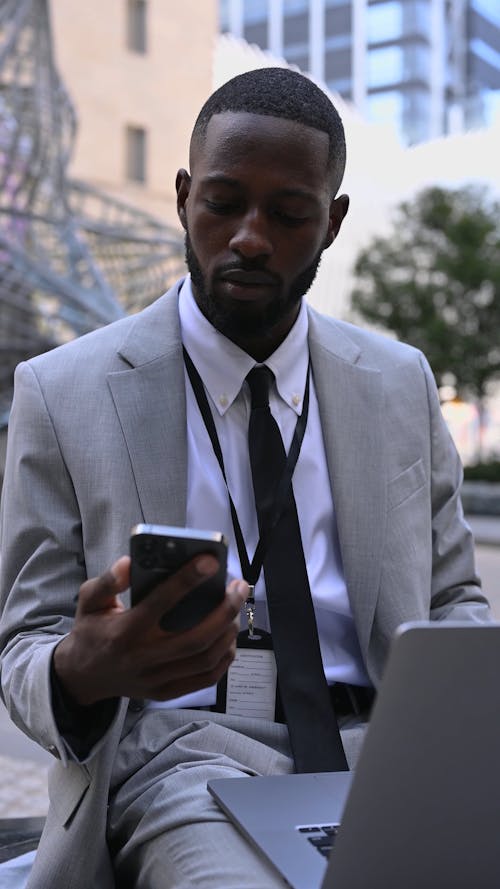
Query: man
x=106 y=432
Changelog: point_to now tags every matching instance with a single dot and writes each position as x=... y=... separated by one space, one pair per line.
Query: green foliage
x=484 y=472
x=435 y=283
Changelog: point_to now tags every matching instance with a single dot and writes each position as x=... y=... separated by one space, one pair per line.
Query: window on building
x=255 y=11
x=290 y=7
x=387 y=108
x=489 y=9
x=224 y=17
x=135 y=154
x=384 y=66
x=395 y=20
x=137 y=25
x=384 y=22
x=408 y=113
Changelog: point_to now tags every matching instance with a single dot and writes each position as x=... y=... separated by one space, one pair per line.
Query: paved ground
x=24 y=765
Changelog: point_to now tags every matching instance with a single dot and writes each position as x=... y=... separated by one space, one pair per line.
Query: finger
x=164 y=687
x=204 y=634
x=100 y=593
x=239 y=591
x=194 y=642
x=163 y=597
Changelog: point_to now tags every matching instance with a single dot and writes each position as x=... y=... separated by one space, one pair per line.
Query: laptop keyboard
x=322 y=837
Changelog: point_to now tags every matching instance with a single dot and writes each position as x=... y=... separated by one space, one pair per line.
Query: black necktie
x=314 y=734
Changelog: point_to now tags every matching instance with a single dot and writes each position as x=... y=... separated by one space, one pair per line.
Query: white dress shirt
x=223 y=366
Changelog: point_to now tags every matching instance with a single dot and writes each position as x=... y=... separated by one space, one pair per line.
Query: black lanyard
x=251 y=570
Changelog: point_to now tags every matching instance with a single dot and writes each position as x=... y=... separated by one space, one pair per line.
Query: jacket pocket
x=406 y=483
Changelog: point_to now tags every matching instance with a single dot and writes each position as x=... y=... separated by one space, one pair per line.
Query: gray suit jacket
x=97 y=443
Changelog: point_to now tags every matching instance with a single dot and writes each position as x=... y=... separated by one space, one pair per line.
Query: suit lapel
x=149 y=397
x=351 y=409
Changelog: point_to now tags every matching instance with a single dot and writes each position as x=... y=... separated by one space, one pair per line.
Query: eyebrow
x=222 y=179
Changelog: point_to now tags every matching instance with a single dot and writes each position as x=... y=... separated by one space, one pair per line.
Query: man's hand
x=113 y=651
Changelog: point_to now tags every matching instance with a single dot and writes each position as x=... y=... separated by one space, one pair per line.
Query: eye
x=292 y=220
x=220 y=207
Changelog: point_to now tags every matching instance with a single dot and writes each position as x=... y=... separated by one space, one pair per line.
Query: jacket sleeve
x=42 y=567
x=455 y=589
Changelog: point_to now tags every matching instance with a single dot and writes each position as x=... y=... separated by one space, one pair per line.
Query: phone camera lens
x=146 y=553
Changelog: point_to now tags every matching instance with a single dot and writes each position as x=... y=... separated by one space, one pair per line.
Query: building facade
x=431 y=67
x=137 y=72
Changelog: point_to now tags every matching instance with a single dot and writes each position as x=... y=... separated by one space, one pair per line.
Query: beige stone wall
x=112 y=87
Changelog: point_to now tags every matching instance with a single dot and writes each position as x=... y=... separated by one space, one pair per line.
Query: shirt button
x=223 y=400
x=296 y=399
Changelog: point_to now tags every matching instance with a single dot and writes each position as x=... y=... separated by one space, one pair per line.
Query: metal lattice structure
x=71 y=258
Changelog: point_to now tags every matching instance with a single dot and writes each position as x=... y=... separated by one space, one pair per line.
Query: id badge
x=249 y=687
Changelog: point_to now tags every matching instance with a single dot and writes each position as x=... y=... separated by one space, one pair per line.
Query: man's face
x=258 y=214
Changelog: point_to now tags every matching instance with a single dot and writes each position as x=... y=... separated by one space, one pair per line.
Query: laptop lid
x=423 y=808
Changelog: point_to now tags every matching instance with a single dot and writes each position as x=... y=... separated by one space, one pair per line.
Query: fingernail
x=205 y=565
x=242 y=588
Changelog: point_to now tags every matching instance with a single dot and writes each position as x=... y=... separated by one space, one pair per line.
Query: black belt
x=347 y=700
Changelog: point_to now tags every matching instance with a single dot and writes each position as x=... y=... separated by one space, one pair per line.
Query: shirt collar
x=223 y=366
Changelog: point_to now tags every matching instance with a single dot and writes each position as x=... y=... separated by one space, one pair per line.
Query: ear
x=182 y=187
x=338 y=210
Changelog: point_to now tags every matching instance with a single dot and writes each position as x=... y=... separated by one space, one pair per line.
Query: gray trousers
x=164 y=829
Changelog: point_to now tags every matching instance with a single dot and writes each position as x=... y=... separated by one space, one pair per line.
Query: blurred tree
x=434 y=281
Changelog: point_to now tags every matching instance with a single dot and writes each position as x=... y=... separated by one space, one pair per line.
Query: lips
x=247 y=278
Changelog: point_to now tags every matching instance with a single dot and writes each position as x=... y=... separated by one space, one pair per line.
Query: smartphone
x=158 y=551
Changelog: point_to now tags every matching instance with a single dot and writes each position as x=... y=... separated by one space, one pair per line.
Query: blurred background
x=97 y=102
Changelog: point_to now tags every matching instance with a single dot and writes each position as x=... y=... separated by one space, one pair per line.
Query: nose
x=251 y=237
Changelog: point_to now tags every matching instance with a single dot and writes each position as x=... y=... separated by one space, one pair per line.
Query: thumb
x=101 y=593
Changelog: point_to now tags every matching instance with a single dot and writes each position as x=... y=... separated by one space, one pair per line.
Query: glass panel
x=223 y=15
x=485 y=52
x=384 y=22
x=489 y=8
x=296 y=29
x=384 y=66
x=407 y=113
x=343 y=87
x=416 y=17
x=491 y=100
x=255 y=10
x=386 y=108
x=257 y=33
x=292 y=6
x=393 y=20
x=394 y=64
x=416 y=62
x=416 y=116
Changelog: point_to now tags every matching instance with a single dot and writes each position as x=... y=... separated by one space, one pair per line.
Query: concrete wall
x=112 y=87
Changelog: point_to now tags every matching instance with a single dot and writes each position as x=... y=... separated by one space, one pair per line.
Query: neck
x=260 y=347
x=259 y=344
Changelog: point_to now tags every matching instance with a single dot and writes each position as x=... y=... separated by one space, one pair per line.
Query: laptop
x=422 y=808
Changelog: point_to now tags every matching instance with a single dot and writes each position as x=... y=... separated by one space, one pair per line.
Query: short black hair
x=280 y=92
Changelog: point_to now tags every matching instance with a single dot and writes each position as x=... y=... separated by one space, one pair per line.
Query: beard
x=245 y=321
